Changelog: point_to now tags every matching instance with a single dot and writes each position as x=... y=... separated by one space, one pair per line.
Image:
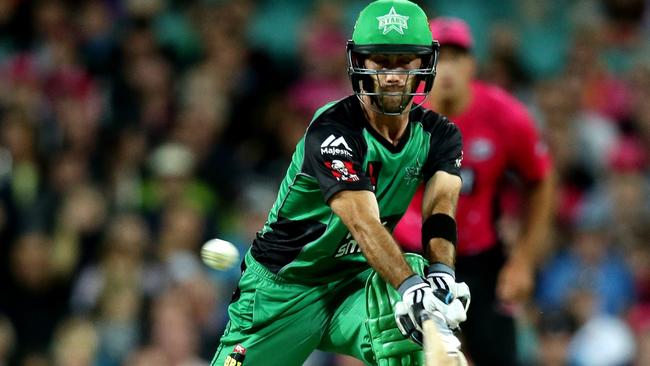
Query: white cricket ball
x=219 y=254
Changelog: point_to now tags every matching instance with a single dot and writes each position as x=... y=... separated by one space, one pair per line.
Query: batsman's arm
x=441 y=197
x=360 y=213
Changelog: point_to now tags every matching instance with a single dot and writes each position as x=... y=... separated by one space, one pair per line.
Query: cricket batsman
x=325 y=272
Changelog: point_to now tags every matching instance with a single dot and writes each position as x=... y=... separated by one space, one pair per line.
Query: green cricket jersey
x=303 y=241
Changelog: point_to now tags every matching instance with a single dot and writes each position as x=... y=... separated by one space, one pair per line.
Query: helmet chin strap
x=376 y=106
x=375 y=100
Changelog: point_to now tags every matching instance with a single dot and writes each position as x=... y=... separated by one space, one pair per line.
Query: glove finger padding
x=463 y=294
x=387 y=342
x=417 y=296
x=455 y=314
x=452 y=298
x=405 y=323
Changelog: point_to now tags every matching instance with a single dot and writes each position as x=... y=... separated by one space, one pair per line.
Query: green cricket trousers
x=278 y=323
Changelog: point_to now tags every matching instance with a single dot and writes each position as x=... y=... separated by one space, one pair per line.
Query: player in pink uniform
x=499 y=136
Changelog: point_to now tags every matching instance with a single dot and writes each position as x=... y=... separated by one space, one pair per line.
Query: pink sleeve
x=529 y=155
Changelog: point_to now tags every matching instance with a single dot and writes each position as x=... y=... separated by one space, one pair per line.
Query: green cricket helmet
x=392 y=27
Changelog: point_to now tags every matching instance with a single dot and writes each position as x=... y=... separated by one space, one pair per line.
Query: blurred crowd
x=133 y=130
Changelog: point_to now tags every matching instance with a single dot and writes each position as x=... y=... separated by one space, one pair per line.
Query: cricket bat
x=434 y=351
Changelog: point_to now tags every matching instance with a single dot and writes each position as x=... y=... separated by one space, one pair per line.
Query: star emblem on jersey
x=413 y=173
x=393 y=22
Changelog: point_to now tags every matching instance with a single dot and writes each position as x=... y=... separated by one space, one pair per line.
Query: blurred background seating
x=132 y=131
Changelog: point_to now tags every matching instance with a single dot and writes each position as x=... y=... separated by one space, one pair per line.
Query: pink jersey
x=498 y=136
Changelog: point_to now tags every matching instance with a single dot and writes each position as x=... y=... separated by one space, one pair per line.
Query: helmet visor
x=384 y=98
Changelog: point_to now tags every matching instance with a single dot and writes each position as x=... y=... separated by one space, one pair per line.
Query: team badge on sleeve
x=236 y=358
x=342 y=170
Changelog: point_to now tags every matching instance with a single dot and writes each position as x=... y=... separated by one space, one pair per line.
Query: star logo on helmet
x=393 y=21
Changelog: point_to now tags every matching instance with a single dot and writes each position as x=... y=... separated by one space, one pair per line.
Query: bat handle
x=434 y=351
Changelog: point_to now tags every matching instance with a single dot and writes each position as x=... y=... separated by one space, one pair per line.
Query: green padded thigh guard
x=388 y=344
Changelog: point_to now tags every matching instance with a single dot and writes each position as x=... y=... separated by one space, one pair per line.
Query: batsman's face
x=455 y=71
x=394 y=80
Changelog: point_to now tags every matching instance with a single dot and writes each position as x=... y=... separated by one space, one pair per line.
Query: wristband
x=439 y=225
x=408 y=283
x=441 y=267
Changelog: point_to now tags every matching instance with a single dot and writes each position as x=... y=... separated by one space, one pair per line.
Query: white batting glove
x=417 y=295
x=452 y=298
x=405 y=325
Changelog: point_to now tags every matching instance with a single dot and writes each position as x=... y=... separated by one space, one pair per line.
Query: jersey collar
x=377 y=136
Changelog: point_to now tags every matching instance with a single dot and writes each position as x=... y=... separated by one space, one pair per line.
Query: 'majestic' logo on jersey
x=342 y=170
x=335 y=146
